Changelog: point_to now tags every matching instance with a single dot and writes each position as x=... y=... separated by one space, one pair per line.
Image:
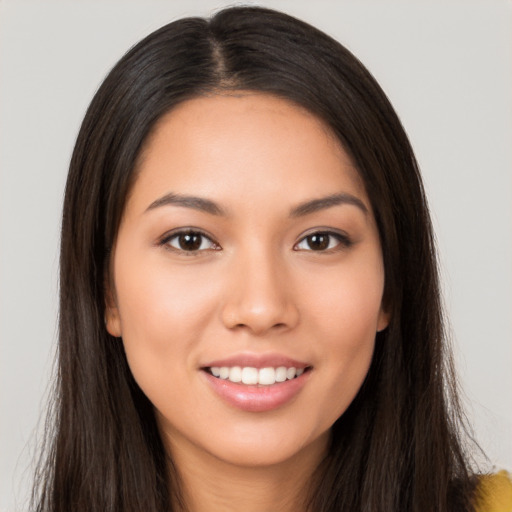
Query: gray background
x=447 y=68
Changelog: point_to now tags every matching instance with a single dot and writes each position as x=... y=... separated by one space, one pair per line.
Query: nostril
x=258 y=313
x=279 y=325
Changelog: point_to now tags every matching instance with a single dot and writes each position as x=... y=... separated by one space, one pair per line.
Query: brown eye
x=323 y=241
x=318 y=241
x=189 y=241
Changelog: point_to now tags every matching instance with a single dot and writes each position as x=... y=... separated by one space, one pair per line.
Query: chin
x=259 y=446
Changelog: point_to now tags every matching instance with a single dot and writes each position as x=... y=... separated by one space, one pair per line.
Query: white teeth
x=281 y=374
x=290 y=373
x=252 y=376
x=235 y=374
x=267 y=376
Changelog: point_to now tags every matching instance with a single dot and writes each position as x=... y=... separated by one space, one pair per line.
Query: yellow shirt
x=495 y=493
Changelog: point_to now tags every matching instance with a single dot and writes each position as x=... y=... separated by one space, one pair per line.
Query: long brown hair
x=398 y=447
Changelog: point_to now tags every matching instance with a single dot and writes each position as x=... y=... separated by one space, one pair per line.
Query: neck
x=208 y=483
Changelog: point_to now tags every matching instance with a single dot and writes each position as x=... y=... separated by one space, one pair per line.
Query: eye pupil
x=318 y=241
x=190 y=241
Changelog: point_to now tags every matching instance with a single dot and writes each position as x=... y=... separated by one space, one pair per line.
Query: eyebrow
x=327 y=202
x=303 y=209
x=196 y=203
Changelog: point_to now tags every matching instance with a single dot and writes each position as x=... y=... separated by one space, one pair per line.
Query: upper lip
x=257 y=361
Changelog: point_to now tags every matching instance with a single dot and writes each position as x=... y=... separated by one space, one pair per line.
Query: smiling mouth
x=251 y=376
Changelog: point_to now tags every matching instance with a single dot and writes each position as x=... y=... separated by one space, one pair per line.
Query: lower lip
x=257 y=398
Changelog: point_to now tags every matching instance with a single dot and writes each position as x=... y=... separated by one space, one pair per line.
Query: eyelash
x=343 y=241
x=165 y=241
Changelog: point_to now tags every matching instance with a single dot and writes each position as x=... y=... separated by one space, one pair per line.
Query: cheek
x=346 y=316
x=155 y=296
x=163 y=318
x=347 y=302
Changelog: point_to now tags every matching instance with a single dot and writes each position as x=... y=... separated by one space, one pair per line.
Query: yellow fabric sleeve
x=494 y=493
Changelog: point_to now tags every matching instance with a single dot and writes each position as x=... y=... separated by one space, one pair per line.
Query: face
x=247 y=279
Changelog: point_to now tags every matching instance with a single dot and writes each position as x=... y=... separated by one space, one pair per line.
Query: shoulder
x=494 y=493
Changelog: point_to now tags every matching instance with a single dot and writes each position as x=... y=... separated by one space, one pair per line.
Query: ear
x=384 y=318
x=112 y=317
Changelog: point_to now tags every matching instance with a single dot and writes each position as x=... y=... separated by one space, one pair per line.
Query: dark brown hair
x=397 y=447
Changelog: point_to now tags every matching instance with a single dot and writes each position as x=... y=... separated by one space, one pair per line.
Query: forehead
x=245 y=143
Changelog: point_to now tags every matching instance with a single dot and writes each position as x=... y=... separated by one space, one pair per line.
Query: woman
x=227 y=346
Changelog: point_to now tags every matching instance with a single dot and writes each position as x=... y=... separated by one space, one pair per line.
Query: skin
x=255 y=286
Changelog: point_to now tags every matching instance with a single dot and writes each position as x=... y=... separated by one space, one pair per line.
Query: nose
x=260 y=297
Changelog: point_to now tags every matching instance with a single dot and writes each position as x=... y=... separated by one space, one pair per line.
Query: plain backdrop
x=447 y=68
